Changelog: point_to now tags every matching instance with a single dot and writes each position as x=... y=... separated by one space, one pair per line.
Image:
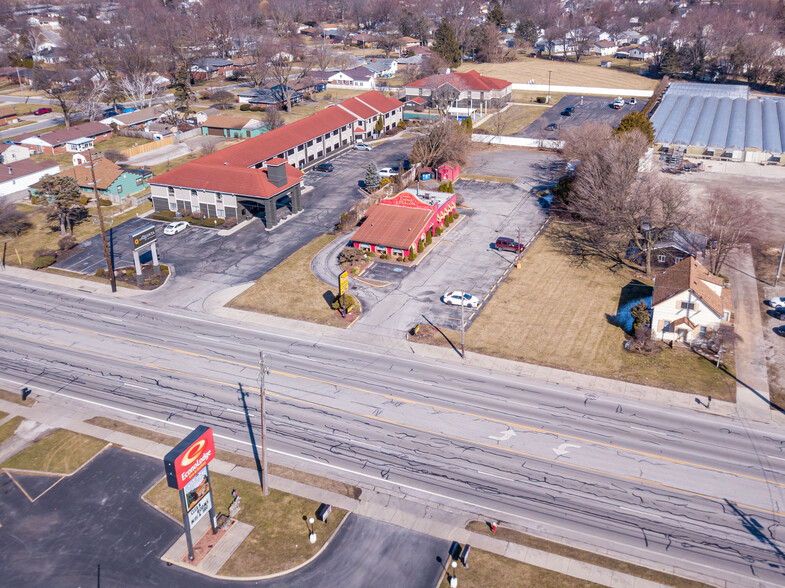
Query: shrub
x=34 y=199
x=540 y=99
x=402 y=125
x=155 y=282
x=100 y=272
x=355 y=271
x=438 y=231
x=230 y=222
x=384 y=182
x=67 y=242
x=45 y=253
x=42 y=261
x=164 y=215
x=130 y=273
x=245 y=107
x=446 y=187
x=454 y=215
x=164 y=269
x=84 y=200
x=467 y=125
x=428 y=238
x=205 y=95
x=399 y=258
x=104 y=202
x=336 y=303
x=327 y=96
x=419 y=246
x=114 y=155
x=213 y=222
x=197 y=215
x=256 y=109
x=459 y=200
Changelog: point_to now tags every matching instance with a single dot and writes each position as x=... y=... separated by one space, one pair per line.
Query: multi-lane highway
x=700 y=492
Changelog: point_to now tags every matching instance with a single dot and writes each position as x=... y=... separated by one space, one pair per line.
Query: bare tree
x=59 y=86
x=583 y=141
x=727 y=219
x=273 y=117
x=223 y=98
x=444 y=141
x=501 y=121
x=285 y=70
x=90 y=96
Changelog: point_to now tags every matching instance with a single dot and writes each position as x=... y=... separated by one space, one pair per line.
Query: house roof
x=604 y=44
x=688 y=274
x=406 y=40
x=379 y=101
x=7 y=111
x=470 y=80
x=139 y=116
x=261 y=148
x=416 y=100
x=393 y=226
x=421 y=50
x=378 y=65
x=644 y=49
x=212 y=63
x=25 y=167
x=54 y=138
x=106 y=172
x=228 y=179
x=358 y=108
x=360 y=73
x=222 y=121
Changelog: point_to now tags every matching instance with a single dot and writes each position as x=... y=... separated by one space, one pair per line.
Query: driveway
x=462 y=259
x=93 y=529
x=586 y=108
x=206 y=262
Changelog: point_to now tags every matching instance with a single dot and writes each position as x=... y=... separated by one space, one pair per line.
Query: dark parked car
x=42 y=111
x=567 y=111
x=507 y=244
x=324 y=167
x=552 y=127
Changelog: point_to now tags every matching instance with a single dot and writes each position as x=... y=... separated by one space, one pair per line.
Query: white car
x=456 y=298
x=363 y=147
x=388 y=172
x=175 y=227
x=618 y=103
x=778 y=302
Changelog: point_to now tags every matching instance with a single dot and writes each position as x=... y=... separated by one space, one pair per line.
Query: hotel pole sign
x=186 y=470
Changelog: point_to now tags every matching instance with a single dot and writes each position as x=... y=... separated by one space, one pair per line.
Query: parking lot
x=206 y=262
x=585 y=109
x=464 y=259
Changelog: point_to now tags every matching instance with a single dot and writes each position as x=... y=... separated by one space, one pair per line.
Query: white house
x=382 y=67
x=602 y=48
x=360 y=78
x=23 y=174
x=12 y=153
x=643 y=53
x=688 y=302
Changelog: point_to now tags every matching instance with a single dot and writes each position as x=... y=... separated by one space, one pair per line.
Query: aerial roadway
x=678 y=488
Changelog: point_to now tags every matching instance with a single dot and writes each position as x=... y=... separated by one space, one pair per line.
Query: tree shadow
x=631 y=294
x=251 y=436
x=583 y=248
x=446 y=338
x=755 y=529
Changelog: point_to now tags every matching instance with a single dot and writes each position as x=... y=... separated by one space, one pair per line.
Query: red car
x=42 y=111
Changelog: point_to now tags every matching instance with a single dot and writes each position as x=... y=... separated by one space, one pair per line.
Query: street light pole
x=463 y=325
x=779 y=269
x=109 y=266
x=549 y=86
x=262 y=370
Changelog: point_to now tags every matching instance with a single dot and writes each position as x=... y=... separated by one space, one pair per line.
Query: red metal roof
x=243 y=181
x=393 y=226
x=358 y=108
x=469 y=80
x=276 y=161
x=254 y=151
x=379 y=101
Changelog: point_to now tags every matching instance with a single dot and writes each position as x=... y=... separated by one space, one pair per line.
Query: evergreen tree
x=445 y=44
x=182 y=90
x=636 y=121
x=372 y=179
x=640 y=316
x=496 y=15
x=527 y=31
x=670 y=63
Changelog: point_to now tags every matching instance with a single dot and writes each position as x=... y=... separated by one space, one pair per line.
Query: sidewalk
x=407 y=512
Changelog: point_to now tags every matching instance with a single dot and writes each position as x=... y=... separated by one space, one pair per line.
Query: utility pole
x=779 y=269
x=463 y=304
x=262 y=370
x=518 y=251
x=109 y=266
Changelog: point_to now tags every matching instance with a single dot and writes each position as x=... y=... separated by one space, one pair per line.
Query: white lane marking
x=135 y=386
x=775 y=457
x=505 y=435
x=562 y=449
x=110 y=318
x=206 y=337
x=494 y=476
x=640 y=512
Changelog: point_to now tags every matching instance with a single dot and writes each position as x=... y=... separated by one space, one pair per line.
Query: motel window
x=661 y=258
x=688 y=306
x=220 y=212
x=173 y=206
x=170 y=192
x=194 y=194
x=666 y=327
x=300 y=147
x=290 y=152
x=310 y=143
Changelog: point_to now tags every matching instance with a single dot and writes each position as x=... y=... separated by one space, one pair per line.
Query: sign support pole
x=109 y=266
x=262 y=369
x=187 y=525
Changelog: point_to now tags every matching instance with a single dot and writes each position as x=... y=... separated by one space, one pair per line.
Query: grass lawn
x=562 y=74
x=291 y=290
x=488 y=569
x=60 y=452
x=279 y=540
x=555 y=312
x=8 y=428
x=517 y=117
x=235 y=458
x=45 y=235
x=578 y=554
x=16 y=397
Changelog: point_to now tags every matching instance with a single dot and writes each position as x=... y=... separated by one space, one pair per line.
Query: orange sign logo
x=193 y=453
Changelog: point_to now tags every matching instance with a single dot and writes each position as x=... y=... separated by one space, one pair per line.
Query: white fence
x=518 y=141
x=584 y=90
x=179 y=137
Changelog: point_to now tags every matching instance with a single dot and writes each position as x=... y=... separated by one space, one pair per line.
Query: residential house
x=51 y=56
x=466 y=91
x=397 y=224
x=384 y=68
x=54 y=142
x=631 y=38
x=10 y=153
x=360 y=78
x=137 y=119
x=208 y=68
x=282 y=90
x=8 y=116
x=406 y=43
x=112 y=181
x=203 y=115
x=671 y=248
x=688 y=302
x=643 y=53
x=16 y=75
x=160 y=130
x=20 y=175
x=363 y=40
x=416 y=103
x=260 y=97
x=235 y=127
x=602 y=48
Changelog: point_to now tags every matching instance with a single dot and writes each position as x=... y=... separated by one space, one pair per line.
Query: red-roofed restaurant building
x=397 y=224
x=261 y=176
x=466 y=90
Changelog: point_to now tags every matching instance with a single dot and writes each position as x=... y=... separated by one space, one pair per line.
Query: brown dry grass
x=562 y=74
x=520 y=538
x=231 y=457
x=16 y=398
x=517 y=118
x=488 y=569
x=279 y=539
x=291 y=290
x=8 y=428
x=60 y=452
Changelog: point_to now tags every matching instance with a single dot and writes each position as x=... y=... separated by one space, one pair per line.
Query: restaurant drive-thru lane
x=695 y=491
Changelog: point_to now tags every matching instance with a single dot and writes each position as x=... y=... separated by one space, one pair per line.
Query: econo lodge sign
x=189 y=457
